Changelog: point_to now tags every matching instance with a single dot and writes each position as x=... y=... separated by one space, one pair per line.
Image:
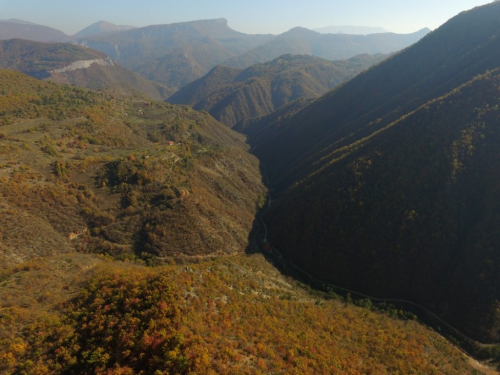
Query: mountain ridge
x=231 y=95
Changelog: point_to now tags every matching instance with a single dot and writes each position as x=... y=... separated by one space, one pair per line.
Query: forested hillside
x=409 y=211
x=231 y=95
x=387 y=185
x=143 y=184
x=82 y=314
x=83 y=171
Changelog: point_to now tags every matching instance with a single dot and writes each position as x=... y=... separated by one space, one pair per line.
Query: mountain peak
x=102 y=27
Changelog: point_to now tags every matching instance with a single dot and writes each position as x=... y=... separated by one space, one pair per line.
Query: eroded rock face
x=84 y=64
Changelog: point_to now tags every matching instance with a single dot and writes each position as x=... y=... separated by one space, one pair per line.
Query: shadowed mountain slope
x=387 y=184
x=443 y=60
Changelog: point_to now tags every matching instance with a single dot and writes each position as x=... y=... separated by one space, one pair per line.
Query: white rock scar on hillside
x=84 y=64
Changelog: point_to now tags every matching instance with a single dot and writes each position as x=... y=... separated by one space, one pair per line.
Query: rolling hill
x=231 y=95
x=75 y=65
x=387 y=184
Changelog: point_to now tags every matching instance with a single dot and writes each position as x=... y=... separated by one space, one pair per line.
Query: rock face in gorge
x=388 y=184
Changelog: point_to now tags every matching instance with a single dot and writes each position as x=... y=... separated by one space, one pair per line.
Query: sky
x=251 y=16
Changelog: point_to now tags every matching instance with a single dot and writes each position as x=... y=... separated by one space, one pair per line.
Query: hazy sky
x=251 y=16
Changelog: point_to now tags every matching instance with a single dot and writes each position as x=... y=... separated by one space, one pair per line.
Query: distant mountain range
x=326 y=46
x=179 y=53
x=349 y=29
x=75 y=65
x=13 y=28
x=389 y=184
x=231 y=95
